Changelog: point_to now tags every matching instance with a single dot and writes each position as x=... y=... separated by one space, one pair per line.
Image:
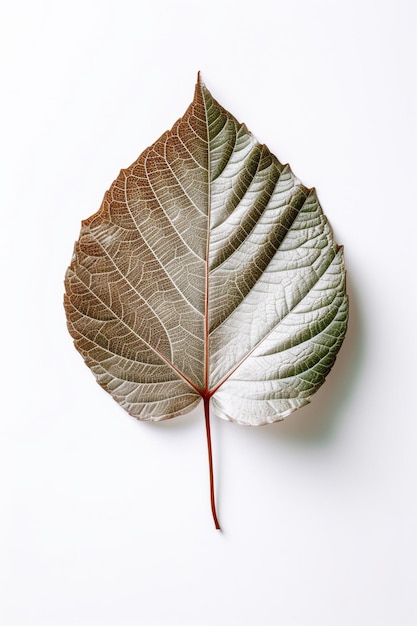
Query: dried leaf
x=209 y=272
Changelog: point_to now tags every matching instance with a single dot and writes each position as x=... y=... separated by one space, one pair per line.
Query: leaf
x=209 y=272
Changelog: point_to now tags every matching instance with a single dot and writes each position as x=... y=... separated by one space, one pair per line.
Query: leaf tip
x=200 y=81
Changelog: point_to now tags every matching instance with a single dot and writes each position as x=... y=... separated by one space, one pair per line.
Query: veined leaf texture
x=209 y=272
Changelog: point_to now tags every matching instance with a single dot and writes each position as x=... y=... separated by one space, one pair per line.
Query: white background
x=106 y=520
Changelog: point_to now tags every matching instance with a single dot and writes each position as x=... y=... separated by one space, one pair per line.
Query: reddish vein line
x=207 y=395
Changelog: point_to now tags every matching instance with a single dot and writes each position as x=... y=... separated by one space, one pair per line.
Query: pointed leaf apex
x=200 y=81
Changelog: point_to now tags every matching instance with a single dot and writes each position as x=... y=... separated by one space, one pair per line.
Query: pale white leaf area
x=105 y=521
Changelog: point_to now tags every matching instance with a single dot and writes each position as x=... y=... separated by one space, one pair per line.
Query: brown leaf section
x=135 y=290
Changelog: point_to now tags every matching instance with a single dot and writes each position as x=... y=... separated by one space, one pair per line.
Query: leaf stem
x=206 y=400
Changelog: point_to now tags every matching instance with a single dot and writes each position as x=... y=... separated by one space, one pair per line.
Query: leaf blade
x=192 y=277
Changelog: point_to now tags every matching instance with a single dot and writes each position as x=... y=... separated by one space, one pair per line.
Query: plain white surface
x=107 y=520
